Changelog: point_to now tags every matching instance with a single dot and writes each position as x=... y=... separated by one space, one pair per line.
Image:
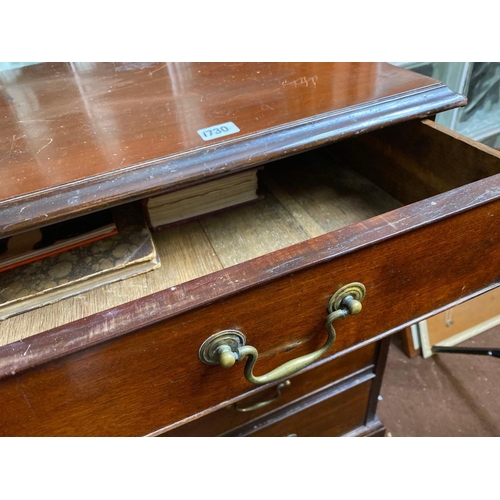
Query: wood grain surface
x=81 y=136
x=78 y=138
x=187 y=253
x=152 y=378
x=464 y=321
x=420 y=159
x=329 y=417
x=301 y=385
x=336 y=196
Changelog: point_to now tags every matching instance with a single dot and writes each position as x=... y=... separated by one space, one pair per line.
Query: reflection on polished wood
x=73 y=122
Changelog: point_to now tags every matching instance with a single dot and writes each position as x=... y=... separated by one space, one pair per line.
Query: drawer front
x=300 y=385
x=413 y=261
x=151 y=379
x=331 y=417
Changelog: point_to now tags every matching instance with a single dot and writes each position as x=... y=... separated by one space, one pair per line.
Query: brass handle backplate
x=228 y=346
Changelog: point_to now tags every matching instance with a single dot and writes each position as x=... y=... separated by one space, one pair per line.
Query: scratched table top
x=81 y=136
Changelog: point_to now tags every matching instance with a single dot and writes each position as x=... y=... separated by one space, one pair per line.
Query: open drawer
x=410 y=211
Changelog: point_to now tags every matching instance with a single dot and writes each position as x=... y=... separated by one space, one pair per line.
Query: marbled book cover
x=128 y=253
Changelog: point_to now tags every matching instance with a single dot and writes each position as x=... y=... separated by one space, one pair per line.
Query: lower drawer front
x=331 y=417
x=300 y=385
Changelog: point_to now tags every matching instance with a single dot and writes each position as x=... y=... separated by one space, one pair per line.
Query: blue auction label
x=216 y=131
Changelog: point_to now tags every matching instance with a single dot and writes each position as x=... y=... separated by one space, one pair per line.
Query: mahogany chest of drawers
x=362 y=193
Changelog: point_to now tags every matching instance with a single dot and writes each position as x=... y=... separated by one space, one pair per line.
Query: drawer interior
x=306 y=195
x=419 y=159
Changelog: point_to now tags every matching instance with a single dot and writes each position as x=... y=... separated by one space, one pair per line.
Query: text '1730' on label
x=216 y=131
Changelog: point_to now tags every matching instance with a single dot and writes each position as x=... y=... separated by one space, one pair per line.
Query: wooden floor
x=445 y=395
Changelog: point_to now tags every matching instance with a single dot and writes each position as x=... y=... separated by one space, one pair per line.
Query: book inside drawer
x=304 y=196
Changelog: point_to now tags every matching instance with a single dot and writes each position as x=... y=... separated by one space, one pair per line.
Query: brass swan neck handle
x=228 y=346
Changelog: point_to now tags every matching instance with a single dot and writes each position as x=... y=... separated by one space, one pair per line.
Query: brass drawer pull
x=226 y=347
x=256 y=406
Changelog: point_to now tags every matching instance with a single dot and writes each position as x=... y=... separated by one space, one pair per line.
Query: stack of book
x=65 y=259
x=202 y=199
x=43 y=266
x=23 y=248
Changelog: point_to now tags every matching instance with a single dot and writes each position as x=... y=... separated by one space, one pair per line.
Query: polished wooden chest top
x=80 y=136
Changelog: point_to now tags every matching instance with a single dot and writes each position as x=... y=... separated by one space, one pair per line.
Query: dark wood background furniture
x=359 y=183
